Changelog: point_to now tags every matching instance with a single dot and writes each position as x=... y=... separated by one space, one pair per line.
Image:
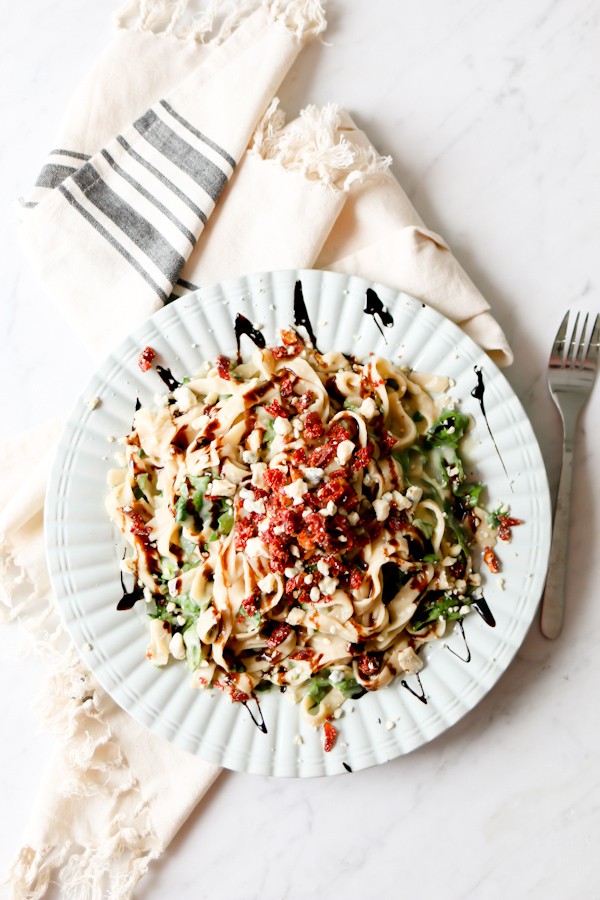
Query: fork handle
x=553 y=604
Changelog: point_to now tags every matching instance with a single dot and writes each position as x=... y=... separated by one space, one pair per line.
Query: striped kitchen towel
x=140 y=164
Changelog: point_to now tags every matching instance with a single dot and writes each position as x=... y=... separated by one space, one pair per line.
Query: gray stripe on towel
x=138 y=229
x=198 y=134
x=52 y=175
x=197 y=166
x=159 y=175
x=113 y=242
x=149 y=197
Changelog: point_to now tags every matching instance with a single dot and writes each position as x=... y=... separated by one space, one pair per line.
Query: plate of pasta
x=298 y=523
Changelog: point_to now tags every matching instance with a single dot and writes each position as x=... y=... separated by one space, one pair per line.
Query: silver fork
x=571 y=372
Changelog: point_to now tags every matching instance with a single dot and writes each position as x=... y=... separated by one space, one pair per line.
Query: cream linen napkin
x=312 y=191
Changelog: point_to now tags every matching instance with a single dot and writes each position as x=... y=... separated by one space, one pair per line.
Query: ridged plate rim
x=82 y=548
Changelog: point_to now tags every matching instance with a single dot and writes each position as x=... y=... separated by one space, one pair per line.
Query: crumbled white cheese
x=336 y=676
x=452 y=472
x=184 y=398
x=173 y=586
x=255 y=547
x=315 y=594
x=181 y=620
x=353 y=518
x=221 y=487
x=92 y=402
x=268 y=584
x=501 y=583
x=298 y=739
x=282 y=426
x=263 y=526
x=390 y=724
x=249 y=456
x=296 y=490
x=322 y=567
x=328 y=585
x=255 y=506
x=409 y=661
x=171 y=606
x=329 y=510
x=344 y=451
x=367 y=408
x=414 y=493
x=312 y=474
x=290 y=571
x=464 y=610
x=176 y=646
x=382 y=509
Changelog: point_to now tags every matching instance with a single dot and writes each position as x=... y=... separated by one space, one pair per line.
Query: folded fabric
x=120 y=220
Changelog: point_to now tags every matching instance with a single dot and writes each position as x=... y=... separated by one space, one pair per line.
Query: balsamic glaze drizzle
x=422 y=697
x=484 y=611
x=130 y=598
x=168 y=378
x=138 y=405
x=374 y=307
x=260 y=722
x=478 y=392
x=347 y=767
x=466 y=658
x=301 y=317
x=244 y=326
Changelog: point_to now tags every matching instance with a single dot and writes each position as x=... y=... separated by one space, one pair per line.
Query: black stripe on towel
x=113 y=242
x=53 y=175
x=187 y=284
x=149 y=197
x=159 y=175
x=189 y=160
x=138 y=229
x=71 y=153
x=198 y=134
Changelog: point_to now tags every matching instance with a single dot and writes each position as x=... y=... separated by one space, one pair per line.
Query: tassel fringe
x=315 y=145
x=220 y=18
x=71 y=706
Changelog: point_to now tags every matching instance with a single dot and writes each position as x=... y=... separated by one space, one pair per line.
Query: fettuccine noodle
x=300 y=520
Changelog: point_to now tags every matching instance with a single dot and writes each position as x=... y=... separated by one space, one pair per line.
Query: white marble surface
x=490 y=111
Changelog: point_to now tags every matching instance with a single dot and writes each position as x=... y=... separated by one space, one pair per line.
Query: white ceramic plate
x=84 y=551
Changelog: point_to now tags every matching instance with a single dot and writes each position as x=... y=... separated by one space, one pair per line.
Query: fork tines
x=581 y=353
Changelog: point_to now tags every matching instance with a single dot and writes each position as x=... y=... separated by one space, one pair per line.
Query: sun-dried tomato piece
x=304 y=400
x=299 y=456
x=362 y=457
x=223 y=366
x=250 y=603
x=506 y=524
x=313 y=427
x=356 y=579
x=239 y=696
x=275 y=409
x=244 y=530
x=321 y=456
x=275 y=478
x=278 y=636
x=286 y=386
x=491 y=560
x=387 y=440
x=302 y=654
x=369 y=664
x=397 y=521
x=330 y=736
x=146 y=358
